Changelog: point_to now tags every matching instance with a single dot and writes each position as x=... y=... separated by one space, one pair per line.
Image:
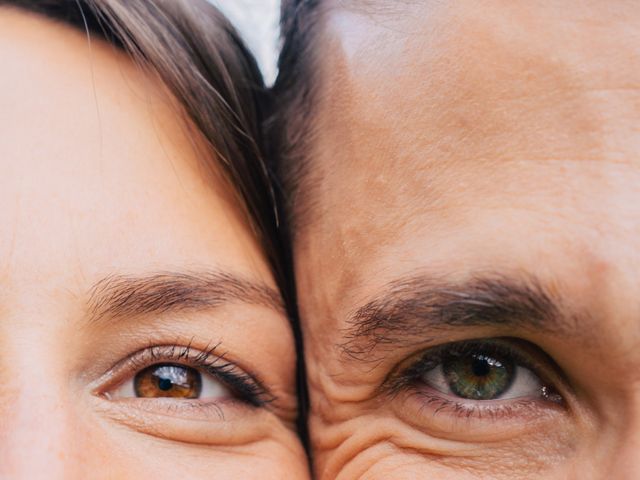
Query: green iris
x=478 y=376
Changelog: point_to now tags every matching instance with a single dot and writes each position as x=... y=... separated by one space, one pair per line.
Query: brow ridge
x=417 y=308
x=162 y=292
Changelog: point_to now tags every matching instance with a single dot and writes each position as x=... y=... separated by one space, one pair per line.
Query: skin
x=475 y=139
x=101 y=189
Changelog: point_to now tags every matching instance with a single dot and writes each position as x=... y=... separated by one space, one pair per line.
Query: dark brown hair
x=300 y=87
x=288 y=129
x=201 y=59
x=290 y=125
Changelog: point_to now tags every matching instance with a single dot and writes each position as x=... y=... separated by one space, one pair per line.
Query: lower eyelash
x=175 y=408
x=438 y=404
x=429 y=402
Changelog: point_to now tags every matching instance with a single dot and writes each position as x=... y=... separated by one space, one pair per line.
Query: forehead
x=100 y=170
x=457 y=120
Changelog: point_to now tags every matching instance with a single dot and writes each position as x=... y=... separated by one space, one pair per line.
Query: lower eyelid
x=169 y=407
x=224 y=424
x=441 y=416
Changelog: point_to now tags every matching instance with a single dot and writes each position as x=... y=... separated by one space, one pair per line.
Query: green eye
x=478 y=376
x=483 y=370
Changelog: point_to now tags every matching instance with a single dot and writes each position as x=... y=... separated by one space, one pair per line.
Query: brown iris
x=168 y=380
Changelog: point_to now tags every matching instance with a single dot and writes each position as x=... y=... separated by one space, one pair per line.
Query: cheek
x=136 y=457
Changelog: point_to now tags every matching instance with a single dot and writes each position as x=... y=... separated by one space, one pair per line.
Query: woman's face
x=140 y=328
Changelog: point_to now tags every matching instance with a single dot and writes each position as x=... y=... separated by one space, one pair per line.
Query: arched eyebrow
x=163 y=292
x=423 y=309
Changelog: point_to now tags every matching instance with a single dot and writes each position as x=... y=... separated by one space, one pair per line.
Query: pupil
x=165 y=384
x=479 y=376
x=480 y=367
x=168 y=381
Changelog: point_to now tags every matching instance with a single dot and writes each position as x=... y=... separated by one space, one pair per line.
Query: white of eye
x=525 y=384
x=213 y=389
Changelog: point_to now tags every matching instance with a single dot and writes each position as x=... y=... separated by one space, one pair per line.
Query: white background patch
x=257 y=20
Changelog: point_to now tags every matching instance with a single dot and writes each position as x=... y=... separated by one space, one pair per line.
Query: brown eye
x=168 y=380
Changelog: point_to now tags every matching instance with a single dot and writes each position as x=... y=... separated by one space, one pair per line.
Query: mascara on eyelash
x=243 y=385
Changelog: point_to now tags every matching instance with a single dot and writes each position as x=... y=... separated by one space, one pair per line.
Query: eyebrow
x=163 y=292
x=420 y=308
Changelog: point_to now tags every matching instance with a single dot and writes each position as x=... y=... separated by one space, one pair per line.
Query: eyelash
x=245 y=386
x=523 y=354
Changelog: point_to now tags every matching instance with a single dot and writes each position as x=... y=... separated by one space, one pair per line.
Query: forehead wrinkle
x=459 y=110
x=449 y=109
x=480 y=90
x=389 y=153
x=349 y=135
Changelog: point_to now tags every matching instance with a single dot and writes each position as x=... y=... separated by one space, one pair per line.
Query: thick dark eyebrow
x=156 y=293
x=416 y=309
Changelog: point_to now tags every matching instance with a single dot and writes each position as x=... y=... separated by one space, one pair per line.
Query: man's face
x=468 y=271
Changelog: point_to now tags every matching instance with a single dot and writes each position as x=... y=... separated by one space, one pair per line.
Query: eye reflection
x=175 y=381
x=478 y=376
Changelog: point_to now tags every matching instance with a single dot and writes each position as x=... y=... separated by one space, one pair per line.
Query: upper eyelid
x=135 y=361
x=168 y=352
x=539 y=362
x=181 y=354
